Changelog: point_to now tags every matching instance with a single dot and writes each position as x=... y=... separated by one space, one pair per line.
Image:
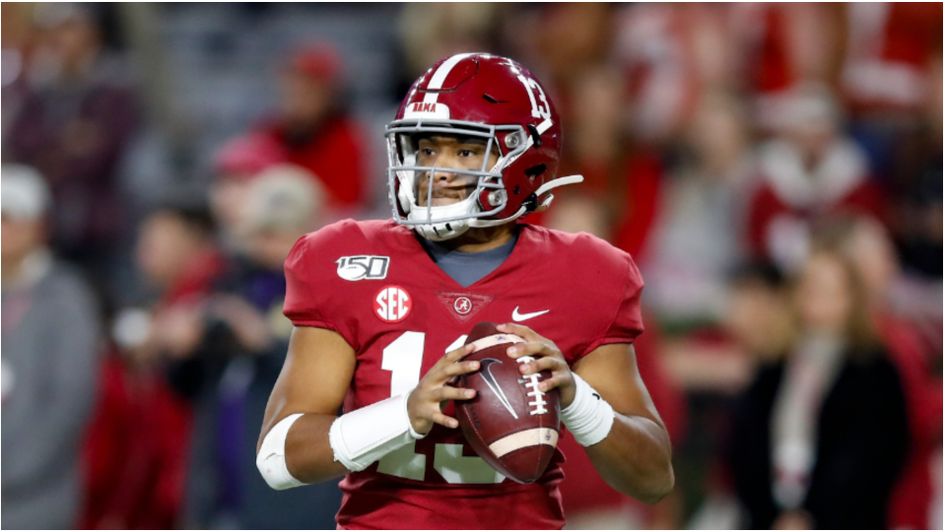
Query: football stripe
x=496 y=339
x=524 y=438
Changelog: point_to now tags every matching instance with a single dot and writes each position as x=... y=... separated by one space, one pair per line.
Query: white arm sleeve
x=271 y=458
x=589 y=417
x=357 y=439
x=361 y=437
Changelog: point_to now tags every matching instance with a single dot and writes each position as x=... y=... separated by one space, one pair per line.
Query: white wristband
x=271 y=458
x=361 y=437
x=588 y=417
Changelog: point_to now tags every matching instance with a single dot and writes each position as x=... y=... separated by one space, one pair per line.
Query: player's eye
x=466 y=153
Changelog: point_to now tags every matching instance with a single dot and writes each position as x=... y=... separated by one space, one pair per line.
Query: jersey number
x=403 y=358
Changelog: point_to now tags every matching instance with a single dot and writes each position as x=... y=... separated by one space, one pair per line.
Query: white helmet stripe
x=436 y=81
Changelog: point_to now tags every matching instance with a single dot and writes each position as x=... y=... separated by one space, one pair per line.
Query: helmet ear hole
x=535 y=171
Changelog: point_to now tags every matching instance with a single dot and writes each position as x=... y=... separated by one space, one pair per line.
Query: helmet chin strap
x=542 y=190
x=555 y=183
x=441 y=231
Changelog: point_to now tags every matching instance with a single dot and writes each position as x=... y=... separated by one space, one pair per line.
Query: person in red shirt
x=313 y=129
x=808 y=172
x=381 y=310
x=144 y=410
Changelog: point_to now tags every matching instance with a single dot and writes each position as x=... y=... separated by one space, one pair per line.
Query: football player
x=381 y=309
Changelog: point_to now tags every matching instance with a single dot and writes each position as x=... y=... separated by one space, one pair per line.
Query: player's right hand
x=425 y=402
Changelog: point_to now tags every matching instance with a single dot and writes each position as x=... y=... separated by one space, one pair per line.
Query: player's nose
x=443 y=176
x=444 y=173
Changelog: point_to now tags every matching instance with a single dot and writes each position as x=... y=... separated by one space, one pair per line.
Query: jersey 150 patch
x=358 y=267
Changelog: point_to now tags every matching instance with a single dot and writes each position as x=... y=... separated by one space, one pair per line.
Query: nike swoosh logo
x=516 y=316
x=494 y=385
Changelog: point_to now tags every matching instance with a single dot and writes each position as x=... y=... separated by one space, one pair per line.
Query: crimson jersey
x=374 y=284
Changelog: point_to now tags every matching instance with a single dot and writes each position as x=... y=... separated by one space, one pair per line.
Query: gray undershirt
x=467 y=268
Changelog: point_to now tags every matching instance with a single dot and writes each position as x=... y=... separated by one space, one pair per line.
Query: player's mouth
x=448 y=195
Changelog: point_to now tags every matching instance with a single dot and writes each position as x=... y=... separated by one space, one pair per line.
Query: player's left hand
x=547 y=357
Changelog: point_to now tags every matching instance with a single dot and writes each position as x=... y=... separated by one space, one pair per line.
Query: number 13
x=403 y=358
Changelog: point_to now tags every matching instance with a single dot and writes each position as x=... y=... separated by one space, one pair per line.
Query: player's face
x=448 y=152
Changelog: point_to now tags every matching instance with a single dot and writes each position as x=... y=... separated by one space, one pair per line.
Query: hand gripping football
x=510 y=423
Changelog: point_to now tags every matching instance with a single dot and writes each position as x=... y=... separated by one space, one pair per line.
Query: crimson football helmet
x=476 y=95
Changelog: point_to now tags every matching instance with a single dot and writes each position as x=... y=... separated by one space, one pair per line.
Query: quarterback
x=381 y=310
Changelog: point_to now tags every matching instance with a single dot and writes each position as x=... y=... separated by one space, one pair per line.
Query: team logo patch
x=392 y=304
x=358 y=267
x=464 y=306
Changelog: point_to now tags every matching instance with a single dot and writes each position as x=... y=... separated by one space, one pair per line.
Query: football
x=510 y=422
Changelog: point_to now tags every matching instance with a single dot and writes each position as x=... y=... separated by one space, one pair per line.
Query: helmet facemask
x=443 y=222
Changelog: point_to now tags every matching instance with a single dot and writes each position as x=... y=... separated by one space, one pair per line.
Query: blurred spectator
x=431 y=31
x=73 y=123
x=18 y=37
x=313 y=128
x=653 y=46
x=236 y=164
x=700 y=214
x=176 y=252
x=868 y=246
x=820 y=436
x=624 y=180
x=780 y=47
x=916 y=177
x=283 y=203
x=809 y=171
x=891 y=54
x=758 y=329
x=571 y=36
x=49 y=364
x=244 y=316
x=758 y=317
x=144 y=413
x=713 y=362
x=597 y=126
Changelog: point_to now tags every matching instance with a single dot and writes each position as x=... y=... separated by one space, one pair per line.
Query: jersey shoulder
x=347 y=238
x=592 y=255
x=321 y=266
x=347 y=233
x=608 y=281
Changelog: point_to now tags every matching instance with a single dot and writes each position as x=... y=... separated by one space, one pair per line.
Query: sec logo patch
x=392 y=304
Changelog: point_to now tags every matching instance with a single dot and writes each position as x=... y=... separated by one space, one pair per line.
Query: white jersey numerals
x=403 y=358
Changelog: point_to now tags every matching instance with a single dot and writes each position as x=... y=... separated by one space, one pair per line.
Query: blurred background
x=775 y=170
